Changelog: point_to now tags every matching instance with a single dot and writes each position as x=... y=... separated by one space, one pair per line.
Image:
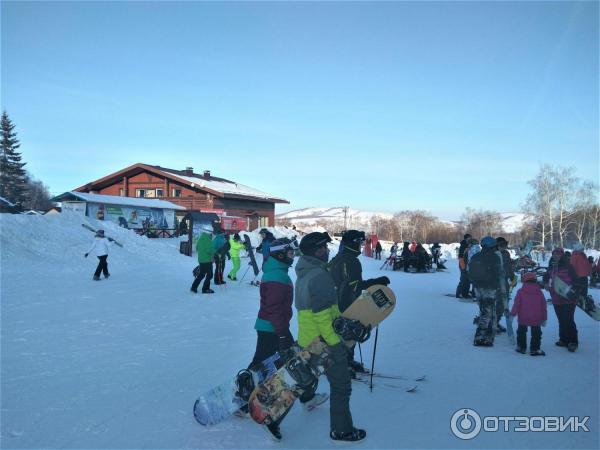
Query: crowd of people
x=487 y=274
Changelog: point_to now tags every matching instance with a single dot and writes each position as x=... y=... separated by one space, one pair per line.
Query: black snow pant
x=486 y=326
x=464 y=284
x=377 y=255
x=219 y=269
x=340 y=418
x=567 y=330
x=536 y=337
x=102 y=267
x=206 y=273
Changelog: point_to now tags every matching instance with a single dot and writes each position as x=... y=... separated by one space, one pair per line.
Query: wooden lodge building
x=195 y=192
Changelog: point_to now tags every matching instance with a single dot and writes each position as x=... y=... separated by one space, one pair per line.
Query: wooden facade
x=142 y=180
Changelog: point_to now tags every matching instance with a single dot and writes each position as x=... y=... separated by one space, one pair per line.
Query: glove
x=86 y=255
x=382 y=280
x=544 y=323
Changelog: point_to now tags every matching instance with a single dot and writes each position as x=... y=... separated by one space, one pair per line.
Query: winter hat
x=528 y=276
x=312 y=241
x=467 y=236
x=501 y=242
x=353 y=236
x=578 y=247
x=263 y=231
x=488 y=241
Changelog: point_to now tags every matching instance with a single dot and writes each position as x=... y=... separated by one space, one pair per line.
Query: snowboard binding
x=300 y=372
x=245 y=384
x=351 y=330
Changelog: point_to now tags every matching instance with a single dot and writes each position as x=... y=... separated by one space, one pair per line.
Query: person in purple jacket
x=530 y=308
x=560 y=267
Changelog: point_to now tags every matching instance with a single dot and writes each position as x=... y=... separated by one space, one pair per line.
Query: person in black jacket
x=378 y=250
x=462 y=290
x=502 y=305
x=488 y=277
x=346 y=271
x=406 y=255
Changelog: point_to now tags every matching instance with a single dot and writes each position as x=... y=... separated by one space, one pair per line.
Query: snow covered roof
x=223 y=186
x=118 y=200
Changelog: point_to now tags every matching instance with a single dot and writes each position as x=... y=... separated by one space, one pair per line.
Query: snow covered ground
x=119 y=363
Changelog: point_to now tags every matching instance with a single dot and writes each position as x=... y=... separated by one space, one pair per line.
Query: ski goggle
x=289 y=246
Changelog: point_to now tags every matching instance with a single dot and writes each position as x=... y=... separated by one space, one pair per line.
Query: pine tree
x=13 y=178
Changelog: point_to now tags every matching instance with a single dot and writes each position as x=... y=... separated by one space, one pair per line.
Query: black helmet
x=353 y=236
x=501 y=241
x=312 y=241
x=279 y=250
x=263 y=231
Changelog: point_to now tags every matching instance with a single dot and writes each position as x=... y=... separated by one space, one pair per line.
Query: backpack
x=483 y=269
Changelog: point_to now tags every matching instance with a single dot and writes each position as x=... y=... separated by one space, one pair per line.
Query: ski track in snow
x=118 y=363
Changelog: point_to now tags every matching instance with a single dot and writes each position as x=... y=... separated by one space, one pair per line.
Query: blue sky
x=379 y=106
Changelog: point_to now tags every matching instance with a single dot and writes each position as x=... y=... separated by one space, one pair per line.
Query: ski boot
x=537 y=353
x=357 y=367
x=521 y=350
x=208 y=291
x=500 y=329
x=572 y=347
x=560 y=344
x=348 y=436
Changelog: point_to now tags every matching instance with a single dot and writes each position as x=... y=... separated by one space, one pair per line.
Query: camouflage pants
x=486 y=327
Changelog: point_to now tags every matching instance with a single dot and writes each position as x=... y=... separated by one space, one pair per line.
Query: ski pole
x=360 y=352
x=244 y=276
x=373 y=360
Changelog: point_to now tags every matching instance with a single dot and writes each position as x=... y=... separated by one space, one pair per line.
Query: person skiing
x=346 y=271
x=235 y=244
x=486 y=274
x=273 y=322
x=530 y=308
x=462 y=290
x=316 y=301
x=582 y=268
x=205 y=252
x=100 y=244
x=502 y=304
x=563 y=306
x=266 y=239
x=378 y=250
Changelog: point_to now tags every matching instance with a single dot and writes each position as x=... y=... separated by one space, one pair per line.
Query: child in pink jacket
x=530 y=307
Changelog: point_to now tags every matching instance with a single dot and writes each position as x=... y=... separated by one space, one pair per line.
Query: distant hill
x=511 y=222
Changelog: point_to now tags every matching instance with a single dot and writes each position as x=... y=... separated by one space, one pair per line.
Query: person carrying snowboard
x=205 y=252
x=235 y=244
x=346 y=271
x=100 y=244
x=530 y=309
x=563 y=306
x=436 y=253
x=273 y=322
x=316 y=301
x=486 y=274
x=502 y=303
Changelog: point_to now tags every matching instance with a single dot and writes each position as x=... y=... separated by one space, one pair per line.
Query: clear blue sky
x=379 y=106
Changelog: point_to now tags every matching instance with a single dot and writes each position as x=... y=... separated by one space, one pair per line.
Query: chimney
x=189 y=171
x=207 y=174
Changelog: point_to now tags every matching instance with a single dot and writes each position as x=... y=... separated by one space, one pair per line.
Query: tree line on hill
x=17 y=185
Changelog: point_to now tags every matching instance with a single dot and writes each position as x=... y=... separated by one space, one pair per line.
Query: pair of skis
x=391 y=381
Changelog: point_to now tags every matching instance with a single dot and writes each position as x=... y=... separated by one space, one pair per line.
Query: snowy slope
x=312 y=215
x=118 y=363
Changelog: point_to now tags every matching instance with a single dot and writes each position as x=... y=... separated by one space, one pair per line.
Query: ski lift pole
x=373 y=360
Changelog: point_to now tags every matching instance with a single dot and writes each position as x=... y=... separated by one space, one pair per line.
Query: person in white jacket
x=100 y=244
